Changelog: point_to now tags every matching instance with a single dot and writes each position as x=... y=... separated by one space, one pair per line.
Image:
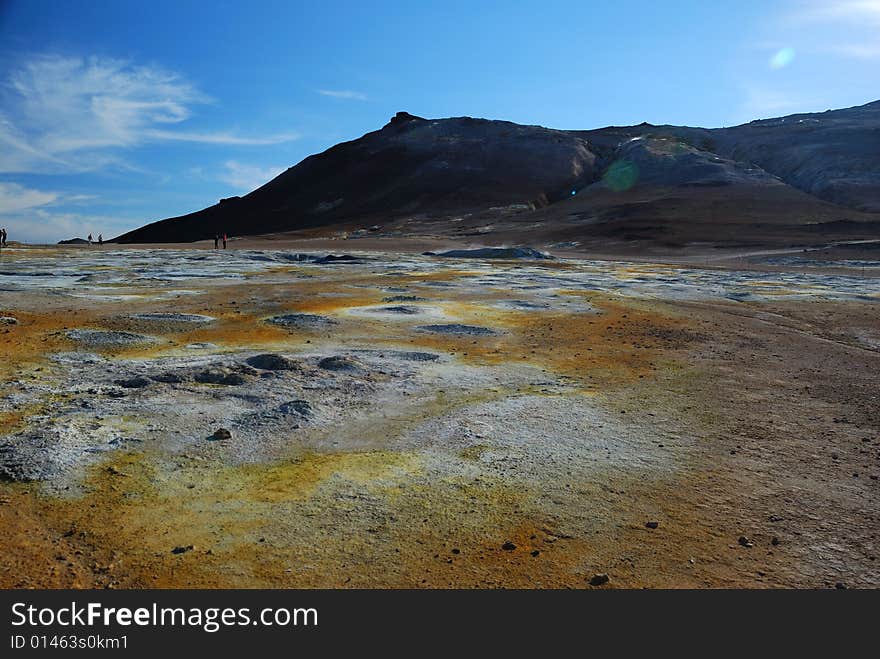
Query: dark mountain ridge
x=463 y=176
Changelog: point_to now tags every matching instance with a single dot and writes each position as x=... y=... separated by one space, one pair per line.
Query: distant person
x=224 y=241
x=100 y=239
x=216 y=241
x=3 y=237
x=90 y=239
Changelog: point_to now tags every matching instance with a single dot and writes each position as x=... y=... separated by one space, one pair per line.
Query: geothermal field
x=272 y=418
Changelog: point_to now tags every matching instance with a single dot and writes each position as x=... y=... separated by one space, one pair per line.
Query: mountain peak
x=404 y=117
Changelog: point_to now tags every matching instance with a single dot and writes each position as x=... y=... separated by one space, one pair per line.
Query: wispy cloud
x=247 y=177
x=846 y=28
x=343 y=93
x=72 y=114
x=857 y=12
x=15 y=198
x=221 y=138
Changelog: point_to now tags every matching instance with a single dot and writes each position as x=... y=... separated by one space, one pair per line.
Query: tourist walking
x=216 y=241
x=90 y=239
x=3 y=236
x=224 y=241
x=100 y=239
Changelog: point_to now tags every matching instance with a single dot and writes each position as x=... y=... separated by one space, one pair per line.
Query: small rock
x=652 y=525
x=745 y=542
x=536 y=552
x=599 y=579
x=774 y=541
x=8 y=320
x=840 y=585
x=508 y=546
x=182 y=549
x=221 y=433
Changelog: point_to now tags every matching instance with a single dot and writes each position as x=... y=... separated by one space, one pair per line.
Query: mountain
x=789 y=180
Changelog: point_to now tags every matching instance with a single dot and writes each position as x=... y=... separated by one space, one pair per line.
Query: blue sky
x=116 y=113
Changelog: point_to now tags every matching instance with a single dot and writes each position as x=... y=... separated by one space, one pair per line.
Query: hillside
x=792 y=180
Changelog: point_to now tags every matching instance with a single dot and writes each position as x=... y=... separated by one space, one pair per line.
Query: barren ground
x=489 y=423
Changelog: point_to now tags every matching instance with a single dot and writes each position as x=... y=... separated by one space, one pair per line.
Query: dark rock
x=840 y=585
x=402 y=309
x=169 y=378
x=345 y=258
x=271 y=362
x=536 y=552
x=493 y=253
x=745 y=542
x=508 y=546
x=599 y=579
x=182 y=549
x=137 y=382
x=220 y=377
x=774 y=541
x=457 y=328
x=221 y=433
x=652 y=525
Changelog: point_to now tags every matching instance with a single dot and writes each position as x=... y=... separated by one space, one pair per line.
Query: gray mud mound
x=404 y=309
x=459 y=329
x=220 y=376
x=297 y=407
x=108 y=338
x=301 y=321
x=340 y=363
x=173 y=318
x=137 y=382
x=404 y=298
x=168 y=378
x=272 y=362
x=493 y=253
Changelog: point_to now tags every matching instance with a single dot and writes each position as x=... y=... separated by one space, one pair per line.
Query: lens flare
x=782 y=58
x=621 y=175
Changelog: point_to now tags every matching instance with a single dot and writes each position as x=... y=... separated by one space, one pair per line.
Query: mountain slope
x=764 y=181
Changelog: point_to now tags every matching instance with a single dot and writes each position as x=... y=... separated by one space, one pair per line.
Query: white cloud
x=68 y=114
x=45 y=226
x=858 y=12
x=248 y=177
x=14 y=198
x=846 y=28
x=343 y=93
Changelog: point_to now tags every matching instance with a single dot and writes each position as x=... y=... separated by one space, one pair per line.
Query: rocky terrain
x=800 y=180
x=275 y=418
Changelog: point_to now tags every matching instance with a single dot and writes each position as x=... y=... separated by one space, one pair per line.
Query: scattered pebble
x=599 y=579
